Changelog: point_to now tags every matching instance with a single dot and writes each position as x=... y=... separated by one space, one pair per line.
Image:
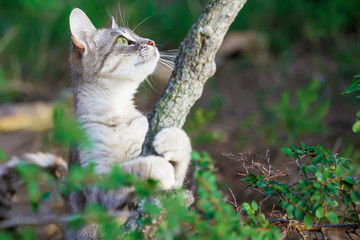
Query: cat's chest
x=119 y=141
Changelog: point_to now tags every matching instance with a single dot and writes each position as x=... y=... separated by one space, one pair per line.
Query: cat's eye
x=122 y=41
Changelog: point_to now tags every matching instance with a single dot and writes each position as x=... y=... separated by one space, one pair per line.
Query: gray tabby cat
x=107 y=67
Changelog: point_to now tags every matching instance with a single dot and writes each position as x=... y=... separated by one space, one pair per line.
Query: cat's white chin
x=147 y=67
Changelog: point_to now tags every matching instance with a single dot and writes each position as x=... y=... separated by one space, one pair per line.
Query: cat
x=108 y=65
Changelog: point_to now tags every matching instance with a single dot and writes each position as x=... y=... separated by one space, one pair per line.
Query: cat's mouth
x=151 y=58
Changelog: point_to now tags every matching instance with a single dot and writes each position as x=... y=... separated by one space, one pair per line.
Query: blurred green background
x=279 y=79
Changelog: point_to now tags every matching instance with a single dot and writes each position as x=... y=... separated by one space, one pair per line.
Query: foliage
x=355 y=86
x=35 y=35
x=323 y=193
x=66 y=129
x=39 y=29
x=210 y=218
x=198 y=122
x=320 y=20
x=292 y=118
x=307 y=105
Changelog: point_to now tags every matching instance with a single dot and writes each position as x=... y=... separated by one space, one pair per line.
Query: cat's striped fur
x=106 y=75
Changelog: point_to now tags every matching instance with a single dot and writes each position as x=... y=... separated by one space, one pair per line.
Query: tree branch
x=194 y=64
x=300 y=226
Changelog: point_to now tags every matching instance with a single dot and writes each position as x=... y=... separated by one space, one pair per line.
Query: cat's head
x=113 y=52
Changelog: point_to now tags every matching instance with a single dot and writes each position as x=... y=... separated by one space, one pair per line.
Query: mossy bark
x=194 y=64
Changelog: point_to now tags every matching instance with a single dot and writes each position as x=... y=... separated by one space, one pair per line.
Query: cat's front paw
x=174 y=146
x=162 y=171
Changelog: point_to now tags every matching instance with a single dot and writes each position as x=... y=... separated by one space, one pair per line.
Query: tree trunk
x=194 y=64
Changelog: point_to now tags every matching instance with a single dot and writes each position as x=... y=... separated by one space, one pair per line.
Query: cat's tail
x=10 y=179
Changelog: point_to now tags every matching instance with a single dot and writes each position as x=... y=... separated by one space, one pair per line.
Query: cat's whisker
x=167 y=61
x=171 y=58
x=170 y=63
x=163 y=68
x=141 y=22
x=125 y=19
x=151 y=85
x=166 y=65
x=107 y=9
x=170 y=55
x=121 y=15
x=131 y=9
x=167 y=55
x=172 y=50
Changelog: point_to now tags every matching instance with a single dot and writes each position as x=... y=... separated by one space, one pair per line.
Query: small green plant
x=323 y=192
x=304 y=114
x=198 y=122
x=292 y=118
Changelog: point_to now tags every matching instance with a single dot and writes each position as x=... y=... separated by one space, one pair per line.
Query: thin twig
x=261 y=202
x=301 y=226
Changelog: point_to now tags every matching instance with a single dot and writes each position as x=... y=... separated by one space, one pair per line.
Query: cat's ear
x=81 y=29
x=112 y=24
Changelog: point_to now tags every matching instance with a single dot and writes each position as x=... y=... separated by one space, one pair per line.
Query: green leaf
x=352 y=88
x=33 y=190
x=2 y=155
x=354 y=85
x=318 y=159
x=6 y=236
x=254 y=206
x=252 y=178
x=304 y=169
x=261 y=183
x=269 y=190
x=358 y=114
x=333 y=188
x=327 y=174
x=290 y=210
x=66 y=128
x=356 y=127
x=320 y=177
x=287 y=151
x=317 y=185
x=349 y=180
x=27 y=233
x=308 y=220
x=247 y=209
x=299 y=214
x=346 y=198
x=195 y=155
x=284 y=205
x=331 y=216
x=151 y=209
x=355 y=197
x=319 y=213
x=338 y=171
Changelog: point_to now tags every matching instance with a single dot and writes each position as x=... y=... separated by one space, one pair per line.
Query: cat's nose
x=151 y=43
